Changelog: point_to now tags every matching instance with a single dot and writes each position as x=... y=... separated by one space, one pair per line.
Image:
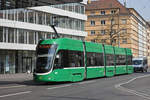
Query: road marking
x=87 y=82
x=69 y=85
x=8 y=95
x=12 y=86
x=59 y=87
x=143 y=95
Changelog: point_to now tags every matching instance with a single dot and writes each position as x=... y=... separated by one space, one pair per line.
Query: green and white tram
x=64 y=59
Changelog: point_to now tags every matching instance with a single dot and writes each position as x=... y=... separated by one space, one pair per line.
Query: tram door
x=27 y=64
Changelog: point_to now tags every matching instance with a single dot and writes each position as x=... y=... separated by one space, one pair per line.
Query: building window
x=77 y=8
x=10 y=14
x=48 y=21
x=103 y=41
x=124 y=31
x=21 y=36
x=92 y=32
x=36 y=17
x=124 y=40
x=102 y=12
x=113 y=11
x=31 y=37
x=93 y=40
x=112 y=22
x=1 y=14
x=10 y=35
x=113 y=31
x=92 y=23
x=103 y=32
x=49 y=35
x=92 y=13
x=41 y=35
x=124 y=21
x=40 y=18
x=31 y=17
x=114 y=41
x=1 y=34
x=103 y=22
x=73 y=7
x=21 y=16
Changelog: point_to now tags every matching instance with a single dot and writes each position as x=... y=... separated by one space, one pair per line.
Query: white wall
x=59 y=12
x=14 y=46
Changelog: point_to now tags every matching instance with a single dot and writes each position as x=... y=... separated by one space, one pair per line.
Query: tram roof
x=71 y=44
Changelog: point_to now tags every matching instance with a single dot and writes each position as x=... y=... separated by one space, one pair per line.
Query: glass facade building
x=42 y=18
x=12 y=61
x=73 y=7
x=21 y=29
x=11 y=4
x=22 y=36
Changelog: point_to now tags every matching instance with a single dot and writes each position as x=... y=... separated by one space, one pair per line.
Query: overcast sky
x=141 y=6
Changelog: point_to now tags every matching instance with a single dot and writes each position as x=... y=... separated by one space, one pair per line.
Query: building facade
x=110 y=22
x=21 y=29
x=13 y=4
x=148 y=42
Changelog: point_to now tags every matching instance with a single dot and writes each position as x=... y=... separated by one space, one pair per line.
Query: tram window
x=129 y=60
x=109 y=59
x=91 y=59
x=120 y=60
x=69 y=58
x=94 y=59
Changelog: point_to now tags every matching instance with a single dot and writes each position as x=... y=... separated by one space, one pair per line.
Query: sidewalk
x=16 y=77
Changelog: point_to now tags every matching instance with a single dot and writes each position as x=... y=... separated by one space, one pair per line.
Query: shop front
x=12 y=62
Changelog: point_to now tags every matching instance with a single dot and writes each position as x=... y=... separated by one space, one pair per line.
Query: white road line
x=69 y=85
x=12 y=86
x=143 y=95
x=59 y=87
x=8 y=95
x=86 y=82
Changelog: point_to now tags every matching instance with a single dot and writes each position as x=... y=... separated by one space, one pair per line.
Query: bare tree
x=111 y=36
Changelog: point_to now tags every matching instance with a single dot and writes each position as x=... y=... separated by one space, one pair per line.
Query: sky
x=141 y=6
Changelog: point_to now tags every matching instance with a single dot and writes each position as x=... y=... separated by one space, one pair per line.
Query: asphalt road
x=124 y=87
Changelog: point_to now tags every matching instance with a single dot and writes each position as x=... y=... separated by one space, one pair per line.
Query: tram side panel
x=95 y=63
x=109 y=61
x=129 y=61
x=120 y=57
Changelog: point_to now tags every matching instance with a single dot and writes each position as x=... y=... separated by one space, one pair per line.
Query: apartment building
x=110 y=22
x=148 y=43
x=21 y=29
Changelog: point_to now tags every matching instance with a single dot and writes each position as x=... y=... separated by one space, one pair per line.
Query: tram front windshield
x=45 y=55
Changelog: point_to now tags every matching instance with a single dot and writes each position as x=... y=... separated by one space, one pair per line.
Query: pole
x=53 y=27
x=119 y=39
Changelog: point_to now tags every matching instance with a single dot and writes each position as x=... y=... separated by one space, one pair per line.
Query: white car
x=140 y=64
